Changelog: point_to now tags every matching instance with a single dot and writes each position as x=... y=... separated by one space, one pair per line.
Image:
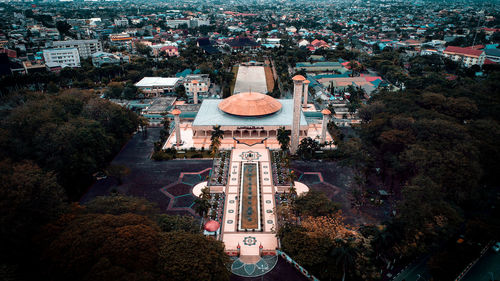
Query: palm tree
x=205 y=193
x=201 y=206
x=291 y=179
x=143 y=124
x=344 y=254
x=283 y=138
x=217 y=135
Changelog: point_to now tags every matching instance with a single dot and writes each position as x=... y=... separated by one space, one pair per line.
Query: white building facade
x=155 y=86
x=85 y=47
x=66 y=57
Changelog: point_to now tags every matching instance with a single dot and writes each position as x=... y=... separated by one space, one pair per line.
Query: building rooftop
x=250 y=104
x=210 y=115
x=157 y=81
x=463 y=51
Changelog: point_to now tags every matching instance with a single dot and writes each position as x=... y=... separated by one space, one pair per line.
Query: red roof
x=168 y=48
x=477 y=47
x=491 y=29
x=212 y=225
x=463 y=51
x=488 y=61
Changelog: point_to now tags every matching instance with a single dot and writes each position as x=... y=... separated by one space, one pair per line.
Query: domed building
x=249 y=115
x=251 y=118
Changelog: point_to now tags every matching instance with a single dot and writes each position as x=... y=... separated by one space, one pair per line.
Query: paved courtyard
x=168 y=183
x=334 y=180
x=250 y=78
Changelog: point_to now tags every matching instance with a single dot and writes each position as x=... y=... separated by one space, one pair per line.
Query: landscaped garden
x=281 y=168
x=172 y=153
x=218 y=175
x=249 y=198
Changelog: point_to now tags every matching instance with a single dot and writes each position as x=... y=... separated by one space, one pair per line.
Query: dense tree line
x=314 y=233
x=51 y=144
x=433 y=147
x=72 y=134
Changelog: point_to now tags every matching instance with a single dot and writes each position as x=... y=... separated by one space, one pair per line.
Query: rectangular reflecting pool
x=249 y=218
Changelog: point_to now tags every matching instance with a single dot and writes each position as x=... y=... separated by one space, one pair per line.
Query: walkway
x=251 y=244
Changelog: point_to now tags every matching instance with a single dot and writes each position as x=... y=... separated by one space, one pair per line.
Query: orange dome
x=326 y=112
x=298 y=78
x=250 y=104
x=176 y=112
x=212 y=225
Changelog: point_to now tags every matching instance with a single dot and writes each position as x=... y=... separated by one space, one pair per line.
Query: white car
x=496 y=247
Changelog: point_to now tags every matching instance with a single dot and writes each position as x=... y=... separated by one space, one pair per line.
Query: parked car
x=100 y=176
x=496 y=247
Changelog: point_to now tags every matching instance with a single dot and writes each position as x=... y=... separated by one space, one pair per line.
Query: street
x=486 y=269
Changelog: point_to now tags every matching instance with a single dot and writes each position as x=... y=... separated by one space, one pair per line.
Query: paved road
x=415 y=272
x=486 y=268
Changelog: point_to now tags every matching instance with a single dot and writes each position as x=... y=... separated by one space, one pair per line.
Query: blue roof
x=184 y=73
x=376 y=82
x=319 y=63
x=210 y=115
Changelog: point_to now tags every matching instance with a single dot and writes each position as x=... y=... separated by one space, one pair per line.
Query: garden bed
x=280 y=170
x=219 y=173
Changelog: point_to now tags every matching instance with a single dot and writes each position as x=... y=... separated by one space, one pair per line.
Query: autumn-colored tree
x=314 y=203
x=331 y=227
x=101 y=246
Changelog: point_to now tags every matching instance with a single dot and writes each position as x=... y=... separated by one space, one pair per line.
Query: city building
x=320 y=66
x=250 y=117
x=170 y=51
x=85 y=47
x=492 y=54
x=121 y=40
x=466 y=56
x=121 y=22
x=197 y=85
x=155 y=86
x=66 y=57
x=100 y=58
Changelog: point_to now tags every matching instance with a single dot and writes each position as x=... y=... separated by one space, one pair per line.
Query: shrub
x=160 y=156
